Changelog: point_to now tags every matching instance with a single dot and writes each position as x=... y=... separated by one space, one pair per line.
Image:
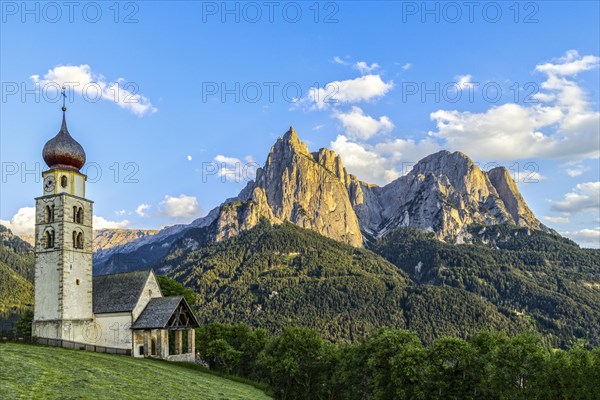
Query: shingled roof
x=164 y=312
x=118 y=292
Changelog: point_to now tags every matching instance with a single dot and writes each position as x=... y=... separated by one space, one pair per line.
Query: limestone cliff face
x=511 y=197
x=444 y=193
x=307 y=189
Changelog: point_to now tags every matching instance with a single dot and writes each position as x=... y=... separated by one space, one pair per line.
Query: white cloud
x=235 y=170
x=576 y=170
x=189 y=158
x=555 y=220
x=102 y=223
x=339 y=60
x=406 y=66
x=141 y=210
x=120 y=213
x=527 y=176
x=179 y=207
x=569 y=64
x=583 y=197
x=358 y=125
x=564 y=125
x=585 y=237
x=383 y=162
x=22 y=223
x=365 y=68
x=464 y=81
x=318 y=127
x=364 y=88
x=81 y=79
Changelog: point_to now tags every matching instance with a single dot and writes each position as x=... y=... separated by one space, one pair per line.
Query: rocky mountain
x=444 y=193
x=307 y=189
x=105 y=239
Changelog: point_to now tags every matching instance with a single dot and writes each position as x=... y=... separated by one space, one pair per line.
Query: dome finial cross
x=64 y=96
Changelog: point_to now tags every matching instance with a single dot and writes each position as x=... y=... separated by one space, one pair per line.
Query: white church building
x=122 y=313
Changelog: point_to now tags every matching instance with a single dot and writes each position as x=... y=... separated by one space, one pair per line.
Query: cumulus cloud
x=562 y=125
x=141 y=210
x=527 y=177
x=181 y=207
x=22 y=223
x=365 y=68
x=383 y=162
x=406 y=66
x=83 y=80
x=234 y=169
x=583 y=197
x=364 y=88
x=103 y=223
x=555 y=220
x=569 y=64
x=576 y=170
x=585 y=237
x=464 y=81
x=358 y=125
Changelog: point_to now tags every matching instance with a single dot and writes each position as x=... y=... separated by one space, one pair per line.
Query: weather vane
x=64 y=96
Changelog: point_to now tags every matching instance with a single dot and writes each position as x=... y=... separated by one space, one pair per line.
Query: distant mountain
x=444 y=193
x=17 y=269
x=105 y=239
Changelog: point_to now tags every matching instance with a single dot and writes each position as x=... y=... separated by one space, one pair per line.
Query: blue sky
x=161 y=122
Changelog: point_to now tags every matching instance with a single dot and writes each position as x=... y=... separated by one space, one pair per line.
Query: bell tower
x=63 y=243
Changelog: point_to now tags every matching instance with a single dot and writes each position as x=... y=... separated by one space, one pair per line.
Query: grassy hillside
x=53 y=373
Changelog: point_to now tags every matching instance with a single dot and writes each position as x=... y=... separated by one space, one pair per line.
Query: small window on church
x=74 y=214
x=80 y=215
x=64 y=181
x=150 y=292
x=77 y=282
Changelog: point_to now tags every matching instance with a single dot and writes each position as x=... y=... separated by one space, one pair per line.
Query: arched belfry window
x=49 y=239
x=77 y=240
x=80 y=240
x=78 y=215
x=49 y=213
x=64 y=181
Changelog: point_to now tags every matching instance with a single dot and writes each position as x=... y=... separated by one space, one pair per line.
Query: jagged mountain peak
x=445 y=193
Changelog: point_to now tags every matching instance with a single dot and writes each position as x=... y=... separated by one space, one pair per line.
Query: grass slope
x=51 y=373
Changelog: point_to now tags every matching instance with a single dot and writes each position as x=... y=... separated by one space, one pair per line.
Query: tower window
x=64 y=181
x=49 y=239
x=80 y=240
x=77 y=282
x=80 y=215
x=77 y=240
x=49 y=213
x=74 y=214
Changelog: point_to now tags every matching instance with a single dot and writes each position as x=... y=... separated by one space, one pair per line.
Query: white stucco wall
x=114 y=330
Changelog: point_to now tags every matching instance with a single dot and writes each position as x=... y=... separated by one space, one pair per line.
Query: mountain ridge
x=445 y=193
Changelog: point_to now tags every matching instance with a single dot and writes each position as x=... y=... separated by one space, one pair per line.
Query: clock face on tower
x=49 y=183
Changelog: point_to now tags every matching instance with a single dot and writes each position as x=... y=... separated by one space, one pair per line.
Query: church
x=122 y=313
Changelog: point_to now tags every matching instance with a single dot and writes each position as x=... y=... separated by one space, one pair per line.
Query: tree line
x=394 y=364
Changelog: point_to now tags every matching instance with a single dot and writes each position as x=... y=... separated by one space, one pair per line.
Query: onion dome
x=62 y=151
